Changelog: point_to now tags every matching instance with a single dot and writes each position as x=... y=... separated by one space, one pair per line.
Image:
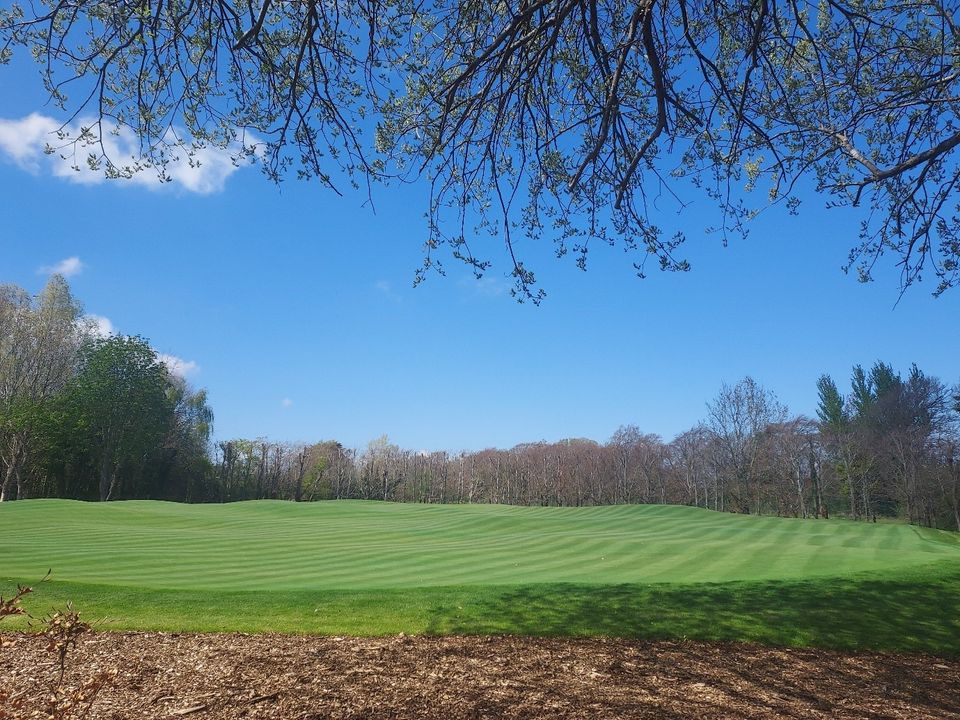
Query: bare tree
x=689 y=458
x=738 y=418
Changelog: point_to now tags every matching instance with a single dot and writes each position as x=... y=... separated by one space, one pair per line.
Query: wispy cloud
x=99 y=326
x=67 y=267
x=385 y=288
x=490 y=286
x=286 y=402
x=487 y=286
x=39 y=144
x=178 y=366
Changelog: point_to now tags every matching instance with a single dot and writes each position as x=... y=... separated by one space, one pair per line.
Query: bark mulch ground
x=200 y=677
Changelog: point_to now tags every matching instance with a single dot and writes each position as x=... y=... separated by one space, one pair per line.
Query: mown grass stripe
x=374 y=568
x=354 y=544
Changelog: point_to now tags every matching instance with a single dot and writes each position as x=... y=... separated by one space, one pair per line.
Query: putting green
x=352 y=545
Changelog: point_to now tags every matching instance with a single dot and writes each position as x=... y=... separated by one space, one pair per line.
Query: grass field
x=378 y=568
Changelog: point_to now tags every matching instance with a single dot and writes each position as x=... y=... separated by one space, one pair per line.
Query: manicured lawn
x=378 y=568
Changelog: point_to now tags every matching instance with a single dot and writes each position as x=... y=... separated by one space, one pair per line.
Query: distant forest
x=93 y=416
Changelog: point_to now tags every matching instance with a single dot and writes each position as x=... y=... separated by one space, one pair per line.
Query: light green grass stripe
x=352 y=544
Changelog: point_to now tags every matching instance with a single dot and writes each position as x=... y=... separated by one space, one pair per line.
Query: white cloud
x=286 y=402
x=24 y=140
x=206 y=173
x=67 y=267
x=178 y=366
x=38 y=143
x=99 y=326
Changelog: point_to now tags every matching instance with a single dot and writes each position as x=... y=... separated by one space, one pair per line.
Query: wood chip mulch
x=201 y=677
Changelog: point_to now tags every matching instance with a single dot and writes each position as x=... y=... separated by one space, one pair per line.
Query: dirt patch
x=309 y=678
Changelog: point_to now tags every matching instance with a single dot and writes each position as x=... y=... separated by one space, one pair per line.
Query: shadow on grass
x=912 y=611
x=920 y=614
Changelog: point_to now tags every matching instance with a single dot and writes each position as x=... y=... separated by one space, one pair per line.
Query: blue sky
x=294 y=307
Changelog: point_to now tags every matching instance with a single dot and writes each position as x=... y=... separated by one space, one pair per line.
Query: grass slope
x=375 y=568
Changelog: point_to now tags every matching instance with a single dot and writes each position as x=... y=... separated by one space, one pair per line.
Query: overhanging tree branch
x=570 y=119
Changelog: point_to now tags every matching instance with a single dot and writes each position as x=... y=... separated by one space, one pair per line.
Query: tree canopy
x=579 y=121
x=90 y=416
x=121 y=402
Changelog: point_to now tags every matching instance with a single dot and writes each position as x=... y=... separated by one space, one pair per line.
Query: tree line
x=90 y=417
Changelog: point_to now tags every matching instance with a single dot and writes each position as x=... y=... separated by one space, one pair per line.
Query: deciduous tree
x=572 y=119
x=738 y=418
x=120 y=400
x=38 y=345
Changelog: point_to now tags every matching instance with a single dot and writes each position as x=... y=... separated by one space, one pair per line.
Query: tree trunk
x=867 y=509
x=301 y=471
x=106 y=479
x=956 y=507
x=954 y=495
x=800 y=501
x=853 y=496
x=21 y=485
x=10 y=488
x=6 y=490
x=817 y=487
